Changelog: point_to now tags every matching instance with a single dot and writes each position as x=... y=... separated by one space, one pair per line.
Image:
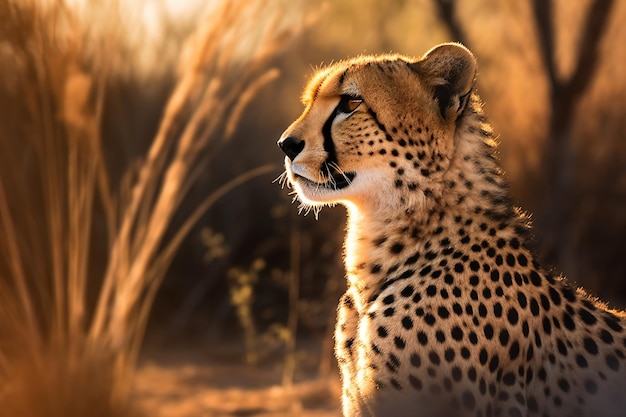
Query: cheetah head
x=378 y=125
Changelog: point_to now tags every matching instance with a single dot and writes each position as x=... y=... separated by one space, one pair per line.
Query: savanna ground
x=145 y=251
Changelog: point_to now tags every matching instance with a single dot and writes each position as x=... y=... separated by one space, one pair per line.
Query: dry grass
x=59 y=353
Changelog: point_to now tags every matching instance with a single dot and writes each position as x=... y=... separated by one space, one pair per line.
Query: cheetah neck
x=386 y=243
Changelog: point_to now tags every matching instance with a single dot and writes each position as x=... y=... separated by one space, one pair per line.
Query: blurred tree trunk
x=559 y=157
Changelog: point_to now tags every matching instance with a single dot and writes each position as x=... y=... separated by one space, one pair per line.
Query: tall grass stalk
x=59 y=354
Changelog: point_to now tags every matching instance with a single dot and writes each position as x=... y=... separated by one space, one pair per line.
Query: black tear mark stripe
x=329 y=145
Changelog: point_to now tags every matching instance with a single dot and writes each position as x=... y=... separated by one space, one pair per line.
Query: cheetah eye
x=348 y=104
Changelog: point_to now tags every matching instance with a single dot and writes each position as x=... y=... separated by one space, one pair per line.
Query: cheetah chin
x=447 y=310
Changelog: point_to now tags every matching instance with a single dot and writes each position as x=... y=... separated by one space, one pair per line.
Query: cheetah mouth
x=338 y=180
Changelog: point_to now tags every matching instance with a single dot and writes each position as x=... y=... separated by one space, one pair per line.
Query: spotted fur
x=447 y=310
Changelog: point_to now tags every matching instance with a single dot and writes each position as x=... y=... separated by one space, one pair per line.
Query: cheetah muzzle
x=447 y=311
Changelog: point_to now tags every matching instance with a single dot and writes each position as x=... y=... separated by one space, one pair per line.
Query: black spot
x=443 y=312
x=483 y=356
x=612 y=362
x=497 y=309
x=507 y=279
x=606 y=337
x=474 y=266
x=382 y=331
x=568 y=294
x=434 y=358
x=504 y=337
x=399 y=342
x=568 y=322
x=394 y=383
x=581 y=361
x=388 y=299
x=458 y=310
x=425 y=271
x=440 y=336
x=488 y=331
x=429 y=319
x=415 y=359
x=348 y=344
x=510 y=260
x=407 y=291
x=406 y=274
x=422 y=338
x=415 y=382
x=411 y=260
x=587 y=317
x=393 y=363
x=493 y=363
x=545 y=303
x=495 y=275
x=521 y=299
x=397 y=247
x=514 y=350
x=512 y=316
x=563 y=384
x=465 y=353
x=509 y=378
x=535 y=279
x=389 y=312
x=534 y=307
x=521 y=259
x=473 y=280
x=449 y=354
x=612 y=322
x=590 y=346
x=431 y=291
x=591 y=387
x=457 y=333
x=554 y=295
x=458 y=267
x=407 y=323
x=375 y=269
x=380 y=241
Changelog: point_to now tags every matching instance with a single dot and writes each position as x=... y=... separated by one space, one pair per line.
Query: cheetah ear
x=450 y=70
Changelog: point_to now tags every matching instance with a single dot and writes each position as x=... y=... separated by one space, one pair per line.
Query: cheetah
x=447 y=311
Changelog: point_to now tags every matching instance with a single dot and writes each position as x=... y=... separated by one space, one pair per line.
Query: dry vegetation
x=71 y=335
x=115 y=140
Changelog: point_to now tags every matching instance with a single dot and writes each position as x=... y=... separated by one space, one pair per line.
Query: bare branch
x=446 y=9
x=588 y=49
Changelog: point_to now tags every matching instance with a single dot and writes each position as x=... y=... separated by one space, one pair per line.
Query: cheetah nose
x=291 y=146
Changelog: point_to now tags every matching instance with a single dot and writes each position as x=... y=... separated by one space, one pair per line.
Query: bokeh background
x=253 y=284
